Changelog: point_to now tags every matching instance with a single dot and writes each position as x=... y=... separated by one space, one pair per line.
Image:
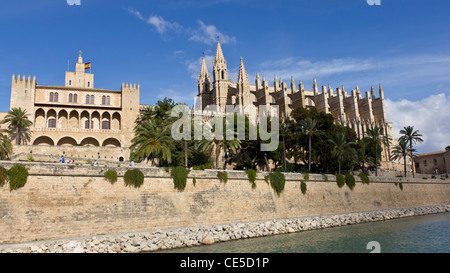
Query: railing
x=76 y=130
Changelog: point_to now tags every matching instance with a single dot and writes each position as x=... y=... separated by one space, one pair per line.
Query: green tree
x=18 y=125
x=375 y=135
x=410 y=136
x=341 y=148
x=151 y=141
x=401 y=151
x=310 y=129
x=6 y=147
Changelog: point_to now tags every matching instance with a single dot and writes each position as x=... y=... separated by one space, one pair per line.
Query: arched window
x=105 y=125
x=89 y=84
x=92 y=99
x=103 y=100
x=86 y=124
x=56 y=97
x=70 y=82
x=51 y=123
x=51 y=96
x=87 y=99
x=75 y=98
x=223 y=75
x=70 y=97
x=107 y=100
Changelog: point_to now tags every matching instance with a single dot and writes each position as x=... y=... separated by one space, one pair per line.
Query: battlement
x=130 y=86
x=26 y=82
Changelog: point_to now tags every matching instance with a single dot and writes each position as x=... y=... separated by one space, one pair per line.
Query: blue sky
x=402 y=44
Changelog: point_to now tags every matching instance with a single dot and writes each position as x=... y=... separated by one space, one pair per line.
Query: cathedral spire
x=203 y=69
x=220 y=70
x=219 y=53
x=242 y=75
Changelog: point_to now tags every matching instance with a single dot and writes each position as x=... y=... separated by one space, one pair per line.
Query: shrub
x=364 y=178
x=251 y=174
x=425 y=178
x=3 y=176
x=277 y=181
x=303 y=187
x=133 y=177
x=194 y=181
x=350 y=181
x=30 y=158
x=179 y=176
x=17 y=177
x=111 y=176
x=325 y=177
x=266 y=178
x=306 y=176
x=223 y=176
x=400 y=185
x=340 y=179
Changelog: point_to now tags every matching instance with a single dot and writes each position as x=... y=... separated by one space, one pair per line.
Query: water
x=418 y=234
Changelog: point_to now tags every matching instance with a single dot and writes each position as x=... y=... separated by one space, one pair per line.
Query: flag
x=87 y=65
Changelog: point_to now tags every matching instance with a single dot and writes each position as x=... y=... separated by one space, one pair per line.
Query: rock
x=208 y=240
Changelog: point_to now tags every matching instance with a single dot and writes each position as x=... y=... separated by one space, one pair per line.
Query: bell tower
x=221 y=81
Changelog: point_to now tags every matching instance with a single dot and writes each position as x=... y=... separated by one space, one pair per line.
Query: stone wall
x=63 y=201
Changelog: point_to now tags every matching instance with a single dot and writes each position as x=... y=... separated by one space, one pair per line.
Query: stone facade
x=350 y=110
x=433 y=163
x=77 y=114
x=63 y=201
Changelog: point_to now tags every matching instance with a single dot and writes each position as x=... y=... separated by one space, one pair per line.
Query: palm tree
x=18 y=124
x=6 y=147
x=151 y=141
x=341 y=149
x=375 y=135
x=284 y=132
x=401 y=151
x=310 y=129
x=362 y=156
x=410 y=136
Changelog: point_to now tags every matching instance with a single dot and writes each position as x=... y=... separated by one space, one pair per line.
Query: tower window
x=56 y=97
x=105 y=125
x=89 y=84
x=92 y=99
x=70 y=82
x=103 y=100
x=107 y=100
x=70 y=97
x=51 y=96
x=223 y=75
x=87 y=99
x=75 y=98
x=52 y=123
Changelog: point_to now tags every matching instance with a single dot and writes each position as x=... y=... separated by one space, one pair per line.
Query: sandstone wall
x=61 y=201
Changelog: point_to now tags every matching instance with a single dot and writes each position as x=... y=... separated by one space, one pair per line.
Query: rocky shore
x=191 y=236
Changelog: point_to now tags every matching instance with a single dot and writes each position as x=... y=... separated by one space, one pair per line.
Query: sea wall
x=65 y=201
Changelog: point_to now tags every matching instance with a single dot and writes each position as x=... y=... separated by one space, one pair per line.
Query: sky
x=402 y=44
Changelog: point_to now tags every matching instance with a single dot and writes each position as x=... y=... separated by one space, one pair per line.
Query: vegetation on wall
x=350 y=181
x=340 y=180
x=364 y=178
x=251 y=174
x=17 y=175
x=3 y=176
x=133 y=177
x=303 y=187
x=223 y=176
x=111 y=176
x=277 y=181
x=179 y=176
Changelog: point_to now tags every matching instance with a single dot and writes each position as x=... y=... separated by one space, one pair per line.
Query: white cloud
x=193 y=66
x=187 y=97
x=431 y=116
x=161 y=25
x=208 y=34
